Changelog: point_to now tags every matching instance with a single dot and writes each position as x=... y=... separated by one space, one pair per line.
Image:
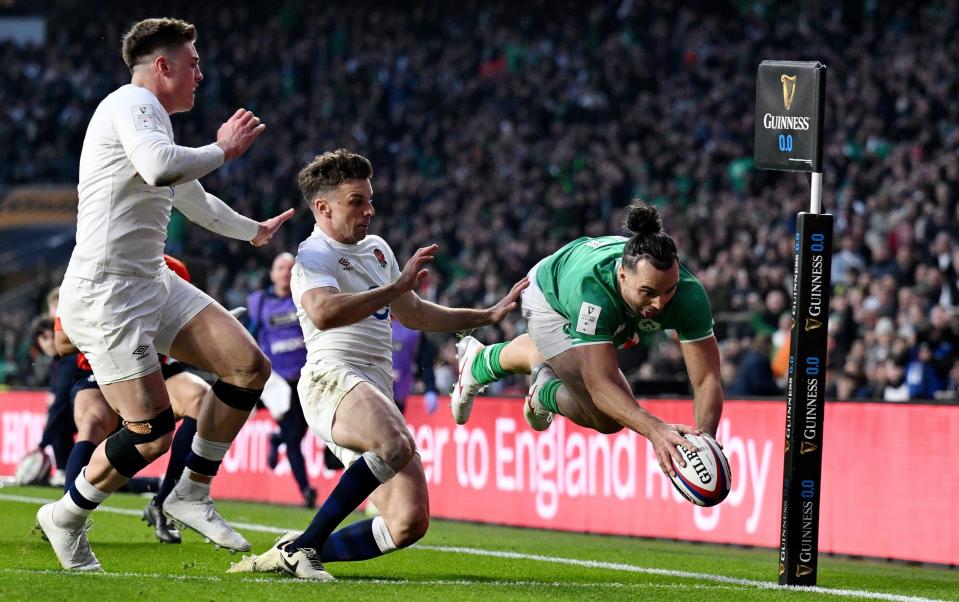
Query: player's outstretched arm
x=328 y=308
x=160 y=162
x=702 y=363
x=267 y=229
x=418 y=314
x=602 y=378
x=413 y=312
x=205 y=209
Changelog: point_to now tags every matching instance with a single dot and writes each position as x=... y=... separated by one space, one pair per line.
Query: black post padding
x=805 y=397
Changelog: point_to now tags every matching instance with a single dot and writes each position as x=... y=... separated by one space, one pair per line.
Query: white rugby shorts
x=545 y=325
x=322 y=387
x=121 y=323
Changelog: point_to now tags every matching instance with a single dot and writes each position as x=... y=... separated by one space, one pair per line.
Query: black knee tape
x=121 y=446
x=236 y=397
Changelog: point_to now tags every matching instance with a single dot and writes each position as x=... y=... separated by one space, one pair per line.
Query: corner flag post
x=790 y=106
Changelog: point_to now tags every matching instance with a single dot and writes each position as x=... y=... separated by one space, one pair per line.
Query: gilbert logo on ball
x=705 y=480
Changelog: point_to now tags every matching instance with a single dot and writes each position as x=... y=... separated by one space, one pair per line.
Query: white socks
x=384 y=541
x=68 y=513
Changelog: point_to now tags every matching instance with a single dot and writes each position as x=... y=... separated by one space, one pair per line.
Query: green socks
x=486 y=367
x=547 y=395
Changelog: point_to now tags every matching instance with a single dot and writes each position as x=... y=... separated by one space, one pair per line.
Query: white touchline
x=616 y=566
x=594 y=564
x=378 y=581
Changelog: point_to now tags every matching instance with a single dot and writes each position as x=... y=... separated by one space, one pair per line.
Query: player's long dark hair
x=648 y=242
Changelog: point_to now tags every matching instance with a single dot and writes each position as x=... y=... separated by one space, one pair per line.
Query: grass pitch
x=455 y=561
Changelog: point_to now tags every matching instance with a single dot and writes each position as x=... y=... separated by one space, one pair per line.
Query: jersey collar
x=626 y=309
x=339 y=246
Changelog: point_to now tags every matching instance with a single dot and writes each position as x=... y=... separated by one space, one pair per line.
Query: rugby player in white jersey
x=120 y=305
x=345 y=285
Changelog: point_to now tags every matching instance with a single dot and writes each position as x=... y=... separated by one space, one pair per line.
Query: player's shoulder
x=126 y=103
x=687 y=278
x=597 y=242
x=131 y=95
x=314 y=250
x=374 y=239
x=690 y=287
x=372 y=242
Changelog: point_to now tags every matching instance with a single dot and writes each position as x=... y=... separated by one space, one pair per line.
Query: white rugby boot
x=303 y=563
x=538 y=417
x=267 y=562
x=466 y=388
x=201 y=516
x=70 y=545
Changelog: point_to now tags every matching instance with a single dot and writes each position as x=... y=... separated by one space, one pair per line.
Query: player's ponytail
x=648 y=241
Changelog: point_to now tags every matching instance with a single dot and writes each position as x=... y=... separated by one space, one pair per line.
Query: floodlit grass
x=455 y=561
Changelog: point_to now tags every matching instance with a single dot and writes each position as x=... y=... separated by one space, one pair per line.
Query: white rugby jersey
x=131 y=174
x=357 y=268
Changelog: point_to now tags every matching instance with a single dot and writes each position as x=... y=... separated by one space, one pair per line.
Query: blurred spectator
x=755 y=376
x=845 y=259
x=922 y=378
x=502 y=130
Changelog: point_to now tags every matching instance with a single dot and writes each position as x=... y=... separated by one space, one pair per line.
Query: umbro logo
x=346 y=264
x=141 y=351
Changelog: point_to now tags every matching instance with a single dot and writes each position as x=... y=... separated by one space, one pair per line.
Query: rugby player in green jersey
x=585 y=301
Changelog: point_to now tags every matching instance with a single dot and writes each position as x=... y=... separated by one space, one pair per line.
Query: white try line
x=592 y=564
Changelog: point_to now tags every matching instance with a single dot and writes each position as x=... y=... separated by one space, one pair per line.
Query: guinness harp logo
x=789 y=89
x=807 y=448
x=802 y=570
x=812 y=324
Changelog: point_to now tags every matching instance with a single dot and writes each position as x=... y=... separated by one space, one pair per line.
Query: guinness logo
x=782 y=568
x=789 y=89
x=802 y=570
x=787 y=446
x=806 y=448
x=812 y=324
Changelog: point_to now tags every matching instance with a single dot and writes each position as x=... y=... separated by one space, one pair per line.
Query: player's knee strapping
x=239 y=398
x=121 y=448
x=380 y=469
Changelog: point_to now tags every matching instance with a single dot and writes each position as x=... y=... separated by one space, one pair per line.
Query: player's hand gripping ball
x=705 y=480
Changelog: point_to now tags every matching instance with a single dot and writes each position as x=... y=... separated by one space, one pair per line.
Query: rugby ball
x=34 y=468
x=705 y=480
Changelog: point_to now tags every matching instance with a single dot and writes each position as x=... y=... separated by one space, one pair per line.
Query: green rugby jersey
x=580 y=283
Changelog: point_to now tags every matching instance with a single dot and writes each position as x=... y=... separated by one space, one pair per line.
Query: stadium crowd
x=502 y=130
